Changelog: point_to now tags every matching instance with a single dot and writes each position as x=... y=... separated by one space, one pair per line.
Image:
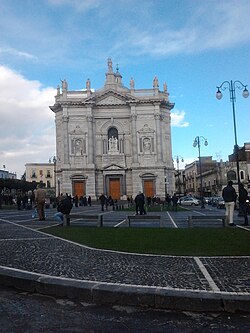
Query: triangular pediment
x=113 y=167
x=110 y=97
x=111 y=100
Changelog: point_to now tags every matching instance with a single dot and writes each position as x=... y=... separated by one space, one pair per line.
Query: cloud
x=211 y=25
x=17 y=53
x=27 y=132
x=177 y=119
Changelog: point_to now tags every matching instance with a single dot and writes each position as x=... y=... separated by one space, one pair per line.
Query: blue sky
x=193 y=45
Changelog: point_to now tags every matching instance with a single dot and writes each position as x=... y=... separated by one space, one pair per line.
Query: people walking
x=139 y=203
x=174 y=201
x=103 y=200
x=76 y=200
x=40 y=195
x=229 y=195
x=243 y=196
x=168 y=201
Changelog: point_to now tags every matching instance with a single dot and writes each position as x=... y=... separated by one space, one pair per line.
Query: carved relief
x=146 y=129
x=77 y=130
x=78 y=146
x=147 y=145
x=111 y=100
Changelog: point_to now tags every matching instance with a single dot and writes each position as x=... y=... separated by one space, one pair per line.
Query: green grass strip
x=193 y=242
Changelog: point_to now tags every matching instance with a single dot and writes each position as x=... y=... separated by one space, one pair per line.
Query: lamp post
x=197 y=142
x=232 y=85
x=53 y=159
x=178 y=158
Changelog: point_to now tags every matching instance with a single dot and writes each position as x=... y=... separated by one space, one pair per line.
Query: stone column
x=134 y=136
x=90 y=140
x=65 y=119
x=158 y=136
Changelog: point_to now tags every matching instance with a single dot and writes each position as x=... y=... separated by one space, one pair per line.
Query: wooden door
x=149 y=188
x=115 y=188
x=79 y=189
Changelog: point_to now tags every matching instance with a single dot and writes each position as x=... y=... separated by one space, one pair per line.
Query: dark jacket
x=243 y=195
x=140 y=199
x=229 y=194
x=103 y=199
x=65 y=205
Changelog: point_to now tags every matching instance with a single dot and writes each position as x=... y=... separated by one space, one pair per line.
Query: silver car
x=189 y=201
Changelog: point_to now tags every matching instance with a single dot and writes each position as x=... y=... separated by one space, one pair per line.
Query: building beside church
x=115 y=140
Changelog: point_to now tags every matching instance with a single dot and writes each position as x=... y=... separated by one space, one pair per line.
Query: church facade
x=115 y=140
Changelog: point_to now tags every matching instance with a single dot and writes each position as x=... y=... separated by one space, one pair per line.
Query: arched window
x=112 y=132
x=231 y=175
x=242 y=175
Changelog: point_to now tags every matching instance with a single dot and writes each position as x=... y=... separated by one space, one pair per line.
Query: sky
x=193 y=45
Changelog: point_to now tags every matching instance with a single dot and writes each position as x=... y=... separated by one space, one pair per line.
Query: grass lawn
x=193 y=242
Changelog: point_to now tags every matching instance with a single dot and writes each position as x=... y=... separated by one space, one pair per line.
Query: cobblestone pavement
x=23 y=247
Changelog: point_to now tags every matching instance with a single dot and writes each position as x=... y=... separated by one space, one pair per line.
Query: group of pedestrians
x=172 y=202
x=82 y=201
x=229 y=195
x=107 y=201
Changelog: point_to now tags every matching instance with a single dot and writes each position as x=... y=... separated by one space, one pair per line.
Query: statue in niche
x=113 y=144
x=147 y=145
x=78 y=147
x=155 y=82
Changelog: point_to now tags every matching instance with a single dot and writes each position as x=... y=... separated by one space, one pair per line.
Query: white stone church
x=115 y=140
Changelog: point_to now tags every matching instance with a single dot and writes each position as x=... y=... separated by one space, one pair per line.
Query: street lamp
x=197 y=142
x=232 y=85
x=178 y=158
x=53 y=159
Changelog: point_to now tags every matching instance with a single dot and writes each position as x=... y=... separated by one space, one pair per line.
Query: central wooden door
x=79 y=189
x=149 y=188
x=115 y=188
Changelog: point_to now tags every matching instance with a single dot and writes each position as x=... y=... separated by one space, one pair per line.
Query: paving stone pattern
x=30 y=250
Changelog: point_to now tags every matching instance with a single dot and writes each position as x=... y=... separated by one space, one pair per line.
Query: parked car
x=220 y=203
x=206 y=200
x=213 y=201
x=189 y=201
x=184 y=197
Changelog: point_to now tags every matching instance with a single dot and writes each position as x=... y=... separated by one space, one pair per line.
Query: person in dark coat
x=229 y=195
x=139 y=203
x=168 y=201
x=76 y=200
x=103 y=200
x=64 y=208
x=243 y=196
x=174 y=201
x=89 y=200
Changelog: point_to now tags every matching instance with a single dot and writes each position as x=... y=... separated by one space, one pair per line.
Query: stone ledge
x=112 y=294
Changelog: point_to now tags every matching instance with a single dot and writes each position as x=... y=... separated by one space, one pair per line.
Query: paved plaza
x=35 y=261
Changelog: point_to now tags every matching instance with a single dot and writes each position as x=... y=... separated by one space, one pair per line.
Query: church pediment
x=113 y=167
x=111 y=97
x=111 y=100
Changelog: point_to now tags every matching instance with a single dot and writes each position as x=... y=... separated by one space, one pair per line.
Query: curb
x=113 y=294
